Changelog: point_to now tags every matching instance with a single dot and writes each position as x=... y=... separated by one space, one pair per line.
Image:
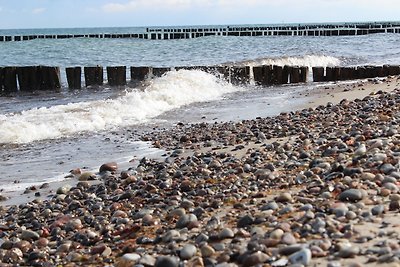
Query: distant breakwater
x=41 y=78
x=339 y=29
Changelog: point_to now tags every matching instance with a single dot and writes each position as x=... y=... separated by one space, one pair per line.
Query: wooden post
x=139 y=73
x=286 y=74
x=295 y=74
x=28 y=78
x=158 y=72
x=74 y=77
x=10 y=79
x=223 y=71
x=360 y=72
x=303 y=74
x=332 y=73
x=49 y=78
x=318 y=74
x=347 y=73
x=94 y=76
x=240 y=75
x=393 y=70
x=277 y=74
x=263 y=75
x=1 y=79
x=116 y=76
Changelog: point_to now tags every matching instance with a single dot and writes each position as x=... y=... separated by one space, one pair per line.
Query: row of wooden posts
x=35 y=78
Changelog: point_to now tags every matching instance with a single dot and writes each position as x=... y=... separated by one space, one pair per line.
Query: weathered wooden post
x=10 y=79
x=50 y=78
x=303 y=74
x=295 y=74
x=94 y=76
x=393 y=70
x=224 y=72
x=347 y=73
x=285 y=74
x=263 y=75
x=116 y=76
x=139 y=73
x=332 y=73
x=74 y=77
x=318 y=74
x=158 y=72
x=240 y=75
x=1 y=79
x=28 y=78
x=258 y=75
x=277 y=74
x=360 y=72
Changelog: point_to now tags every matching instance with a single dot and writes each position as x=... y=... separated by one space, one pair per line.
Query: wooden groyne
x=39 y=78
x=341 y=29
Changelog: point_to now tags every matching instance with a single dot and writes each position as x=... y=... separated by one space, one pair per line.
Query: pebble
x=187 y=252
x=351 y=195
x=302 y=256
x=29 y=235
x=166 y=261
x=255 y=259
x=226 y=233
x=207 y=251
x=284 y=197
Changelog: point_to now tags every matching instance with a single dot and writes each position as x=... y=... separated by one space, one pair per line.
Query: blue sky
x=104 y=13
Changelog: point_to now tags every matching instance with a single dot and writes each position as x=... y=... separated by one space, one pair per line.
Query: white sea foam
x=173 y=90
x=307 y=60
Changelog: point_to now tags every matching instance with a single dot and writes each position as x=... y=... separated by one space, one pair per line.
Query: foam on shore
x=173 y=90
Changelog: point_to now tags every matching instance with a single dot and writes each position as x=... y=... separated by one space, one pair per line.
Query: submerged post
x=240 y=75
x=318 y=74
x=158 y=72
x=94 y=76
x=10 y=79
x=74 y=77
x=28 y=78
x=49 y=78
x=116 y=76
x=139 y=73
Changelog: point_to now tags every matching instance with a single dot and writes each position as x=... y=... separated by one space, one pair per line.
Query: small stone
x=63 y=190
x=348 y=252
x=351 y=195
x=185 y=220
x=361 y=150
x=255 y=259
x=277 y=234
x=226 y=233
x=378 y=210
x=187 y=252
x=147 y=260
x=288 y=239
x=245 y=221
x=29 y=235
x=87 y=176
x=166 y=261
x=111 y=167
x=394 y=205
x=207 y=251
x=301 y=257
x=128 y=259
x=284 y=197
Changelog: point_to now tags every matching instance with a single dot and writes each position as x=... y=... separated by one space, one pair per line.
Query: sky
x=23 y=14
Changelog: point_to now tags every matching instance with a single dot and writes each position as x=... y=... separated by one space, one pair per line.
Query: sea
x=44 y=135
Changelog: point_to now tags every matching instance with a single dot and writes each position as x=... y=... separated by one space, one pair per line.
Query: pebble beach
x=318 y=186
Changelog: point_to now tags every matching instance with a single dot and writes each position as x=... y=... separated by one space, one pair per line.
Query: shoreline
x=286 y=189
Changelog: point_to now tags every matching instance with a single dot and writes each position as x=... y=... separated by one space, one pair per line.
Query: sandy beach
x=313 y=187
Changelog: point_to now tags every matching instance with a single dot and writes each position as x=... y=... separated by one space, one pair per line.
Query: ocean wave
x=307 y=60
x=173 y=90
